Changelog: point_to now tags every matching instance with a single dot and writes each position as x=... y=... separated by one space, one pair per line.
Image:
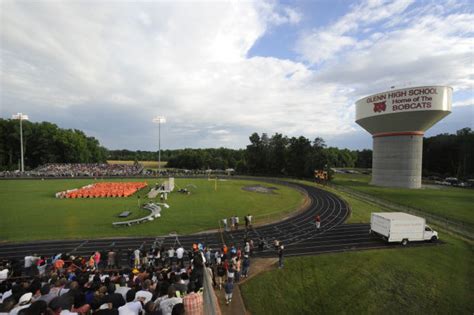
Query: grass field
x=146 y=164
x=454 y=203
x=29 y=210
x=427 y=280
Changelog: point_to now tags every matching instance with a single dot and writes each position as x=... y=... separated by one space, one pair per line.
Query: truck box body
x=399 y=226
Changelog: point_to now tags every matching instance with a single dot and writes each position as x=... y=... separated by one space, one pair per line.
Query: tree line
x=280 y=155
x=449 y=154
x=45 y=142
x=276 y=155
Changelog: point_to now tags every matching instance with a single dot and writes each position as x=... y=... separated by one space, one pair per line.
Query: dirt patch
x=260 y=189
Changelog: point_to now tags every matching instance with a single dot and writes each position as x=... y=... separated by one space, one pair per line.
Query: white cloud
x=426 y=44
x=320 y=46
x=465 y=102
x=220 y=132
x=188 y=61
x=275 y=14
x=325 y=43
x=429 y=50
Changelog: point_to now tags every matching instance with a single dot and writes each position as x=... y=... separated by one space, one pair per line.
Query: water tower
x=397 y=120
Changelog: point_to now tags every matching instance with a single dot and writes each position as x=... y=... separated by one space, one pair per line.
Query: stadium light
x=21 y=117
x=159 y=120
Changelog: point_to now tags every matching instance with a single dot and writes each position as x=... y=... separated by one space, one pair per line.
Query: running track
x=298 y=234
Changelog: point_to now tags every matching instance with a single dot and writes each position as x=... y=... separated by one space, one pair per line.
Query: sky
x=221 y=70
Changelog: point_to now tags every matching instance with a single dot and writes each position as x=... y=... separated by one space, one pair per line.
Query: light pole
x=159 y=120
x=21 y=117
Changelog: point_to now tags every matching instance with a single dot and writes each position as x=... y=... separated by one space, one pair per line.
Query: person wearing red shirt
x=318 y=222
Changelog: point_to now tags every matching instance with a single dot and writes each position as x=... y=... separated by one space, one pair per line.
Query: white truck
x=401 y=227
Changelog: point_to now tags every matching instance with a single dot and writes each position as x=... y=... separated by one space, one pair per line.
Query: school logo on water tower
x=380 y=107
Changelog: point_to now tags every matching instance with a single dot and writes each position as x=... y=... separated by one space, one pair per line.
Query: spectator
x=23 y=302
x=166 y=305
x=231 y=273
x=114 y=298
x=232 y=223
x=36 y=308
x=122 y=289
x=229 y=289
x=178 y=309
x=221 y=272
x=193 y=303
x=245 y=266
x=250 y=220
x=136 y=258
x=111 y=259
x=318 y=222
x=280 y=256
x=224 y=223
x=45 y=294
x=132 y=307
x=151 y=309
x=236 y=220
x=145 y=292
x=171 y=253
x=179 y=285
x=83 y=290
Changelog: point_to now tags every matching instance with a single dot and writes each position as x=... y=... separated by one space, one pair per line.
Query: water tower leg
x=397 y=160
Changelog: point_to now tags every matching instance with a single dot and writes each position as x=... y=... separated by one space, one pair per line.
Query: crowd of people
x=233 y=222
x=104 y=170
x=157 y=280
x=78 y=170
x=170 y=172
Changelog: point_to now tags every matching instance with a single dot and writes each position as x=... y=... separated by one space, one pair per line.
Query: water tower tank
x=397 y=120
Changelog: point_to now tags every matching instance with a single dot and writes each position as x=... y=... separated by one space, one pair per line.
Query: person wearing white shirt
x=3 y=275
x=136 y=256
x=123 y=289
x=132 y=307
x=171 y=252
x=179 y=254
x=145 y=293
x=166 y=305
x=24 y=302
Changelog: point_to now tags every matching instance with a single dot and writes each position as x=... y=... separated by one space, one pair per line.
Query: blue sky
x=221 y=70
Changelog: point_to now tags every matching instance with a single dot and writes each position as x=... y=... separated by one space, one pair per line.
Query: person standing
x=247 y=248
x=97 y=260
x=276 y=244
x=224 y=222
x=232 y=223
x=280 y=256
x=179 y=255
x=246 y=219
x=136 y=258
x=111 y=258
x=229 y=289
x=236 y=219
x=318 y=222
x=245 y=266
x=220 y=275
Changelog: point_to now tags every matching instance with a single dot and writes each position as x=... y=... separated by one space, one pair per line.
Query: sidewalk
x=237 y=306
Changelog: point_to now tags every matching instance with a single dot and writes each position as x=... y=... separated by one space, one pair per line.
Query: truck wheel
x=404 y=242
x=434 y=239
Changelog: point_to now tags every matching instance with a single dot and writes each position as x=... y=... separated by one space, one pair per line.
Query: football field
x=30 y=211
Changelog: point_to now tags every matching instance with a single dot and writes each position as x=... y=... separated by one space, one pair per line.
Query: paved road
x=298 y=234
